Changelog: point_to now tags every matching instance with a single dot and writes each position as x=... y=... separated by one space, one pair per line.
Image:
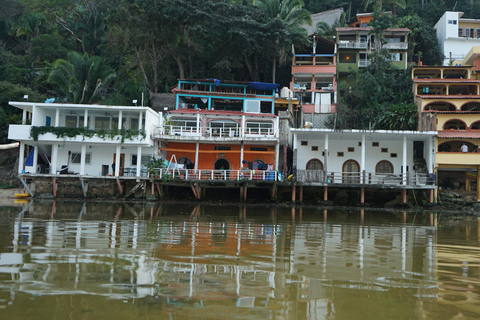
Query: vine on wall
x=71 y=132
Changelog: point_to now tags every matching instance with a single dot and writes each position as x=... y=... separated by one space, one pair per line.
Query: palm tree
x=328 y=32
x=292 y=16
x=29 y=25
x=81 y=78
x=393 y=4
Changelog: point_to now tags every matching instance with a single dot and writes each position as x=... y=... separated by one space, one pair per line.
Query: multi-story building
x=448 y=100
x=313 y=75
x=456 y=36
x=87 y=140
x=222 y=125
x=354 y=44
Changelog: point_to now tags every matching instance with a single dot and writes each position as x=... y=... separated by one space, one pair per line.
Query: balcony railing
x=352 y=45
x=396 y=45
x=370 y=178
x=208 y=132
x=212 y=175
x=363 y=63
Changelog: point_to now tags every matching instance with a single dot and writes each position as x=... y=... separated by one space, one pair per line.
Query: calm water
x=112 y=261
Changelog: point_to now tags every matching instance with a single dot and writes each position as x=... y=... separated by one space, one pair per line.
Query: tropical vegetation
x=94 y=51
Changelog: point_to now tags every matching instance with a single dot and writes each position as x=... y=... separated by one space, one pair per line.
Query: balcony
x=185 y=132
x=363 y=63
x=411 y=179
x=458 y=158
x=351 y=45
x=213 y=175
x=396 y=46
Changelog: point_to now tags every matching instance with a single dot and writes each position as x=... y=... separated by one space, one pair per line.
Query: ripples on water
x=113 y=261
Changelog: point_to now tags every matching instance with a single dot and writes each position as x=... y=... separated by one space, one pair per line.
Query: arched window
x=445 y=147
x=186 y=161
x=384 y=166
x=454 y=124
x=314 y=164
x=351 y=170
x=475 y=125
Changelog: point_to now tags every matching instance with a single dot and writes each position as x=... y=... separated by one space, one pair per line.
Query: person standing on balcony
x=464 y=148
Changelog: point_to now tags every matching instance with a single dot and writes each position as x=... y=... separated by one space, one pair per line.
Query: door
x=122 y=163
x=351 y=172
x=418 y=149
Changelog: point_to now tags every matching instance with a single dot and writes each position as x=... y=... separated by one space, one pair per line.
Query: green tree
x=291 y=16
x=81 y=78
x=326 y=31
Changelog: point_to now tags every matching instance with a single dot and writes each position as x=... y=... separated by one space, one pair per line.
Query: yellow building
x=448 y=101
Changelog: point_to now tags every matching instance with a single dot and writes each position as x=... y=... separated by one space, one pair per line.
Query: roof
x=459 y=134
x=346 y=29
x=329 y=17
x=217 y=112
x=71 y=106
x=445 y=80
x=355 y=134
x=448 y=97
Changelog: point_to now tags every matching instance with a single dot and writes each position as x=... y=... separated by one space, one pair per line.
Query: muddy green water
x=146 y=261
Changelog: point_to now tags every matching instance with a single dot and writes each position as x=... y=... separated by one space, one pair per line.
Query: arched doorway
x=221 y=164
x=188 y=164
x=384 y=166
x=350 y=171
x=314 y=164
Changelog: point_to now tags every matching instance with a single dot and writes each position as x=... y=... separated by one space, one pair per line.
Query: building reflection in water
x=314 y=267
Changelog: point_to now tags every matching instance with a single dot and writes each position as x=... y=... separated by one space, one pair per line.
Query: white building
x=84 y=139
x=456 y=36
x=364 y=157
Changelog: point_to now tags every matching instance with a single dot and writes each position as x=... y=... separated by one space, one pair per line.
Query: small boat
x=22 y=195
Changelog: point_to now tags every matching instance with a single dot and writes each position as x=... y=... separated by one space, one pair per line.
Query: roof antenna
x=455 y=6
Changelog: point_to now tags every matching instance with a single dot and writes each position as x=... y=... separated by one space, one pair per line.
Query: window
x=351 y=149
x=454 y=22
x=384 y=150
x=460 y=32
x=76 y=157
x=74 y=121
x=223 y=148
x=314 y=164
x=259 y=127
x=143 y=161
x=304 y=143
x=375 y=144
x=469 y=32
x=224 y=128
x=359 y=143
x=314 y=148
x=339 y=154
x=348 y=58
x=188 y=124
x=384 y=167
x=102 y=123
x=258 y=149
x=393 y=155
x=477 y=31
x=396 y=56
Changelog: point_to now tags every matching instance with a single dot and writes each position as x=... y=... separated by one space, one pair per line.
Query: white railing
x=363 y=63
x=213 y=175
x=396 y=45
x=352 y=45
x=371 y=178
x=215 y=132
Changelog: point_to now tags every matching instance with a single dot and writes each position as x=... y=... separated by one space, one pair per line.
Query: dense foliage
x=145 y=46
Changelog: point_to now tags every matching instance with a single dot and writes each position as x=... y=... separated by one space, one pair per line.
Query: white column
x=430 y=157
x=197 y=145
x=404 y=160
x=244 y=129
x=325 y=157
x=199 y=129
x=21 y=157
x=57 y=118
x=35 y=158
x=139 y=161
x=120 y=116
x=241 y=155
x=117 y=161
x=83 y=155
x=85 y=118
x=24 y=116
x=362 y=160
x=53 y=161
x=140 y=121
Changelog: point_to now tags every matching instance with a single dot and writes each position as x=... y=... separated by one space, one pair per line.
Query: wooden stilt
x=159 y=190
x=153 y=188
x=300 y=194
x=151 y=213
x=245 y=193
x=325 y=193
x=119 y=184
x=431 y=219
x=119 y=212
x=293 y=214
x=404 y=195
x=52 y=213
x=194 y=190
x=478 y=183
x=362 y=195
x=362 y=215
x=54 y=185
x=404 y=217
x=294 y=191
x=325 y=215
x=431 y=196
x=300 y=214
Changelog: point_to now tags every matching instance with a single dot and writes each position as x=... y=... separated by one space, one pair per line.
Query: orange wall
x=206 y=160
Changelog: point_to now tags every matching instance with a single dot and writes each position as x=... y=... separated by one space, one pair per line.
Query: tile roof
x=445 y=80
x=448 y=97
x=471 y=134
x=341 y=29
